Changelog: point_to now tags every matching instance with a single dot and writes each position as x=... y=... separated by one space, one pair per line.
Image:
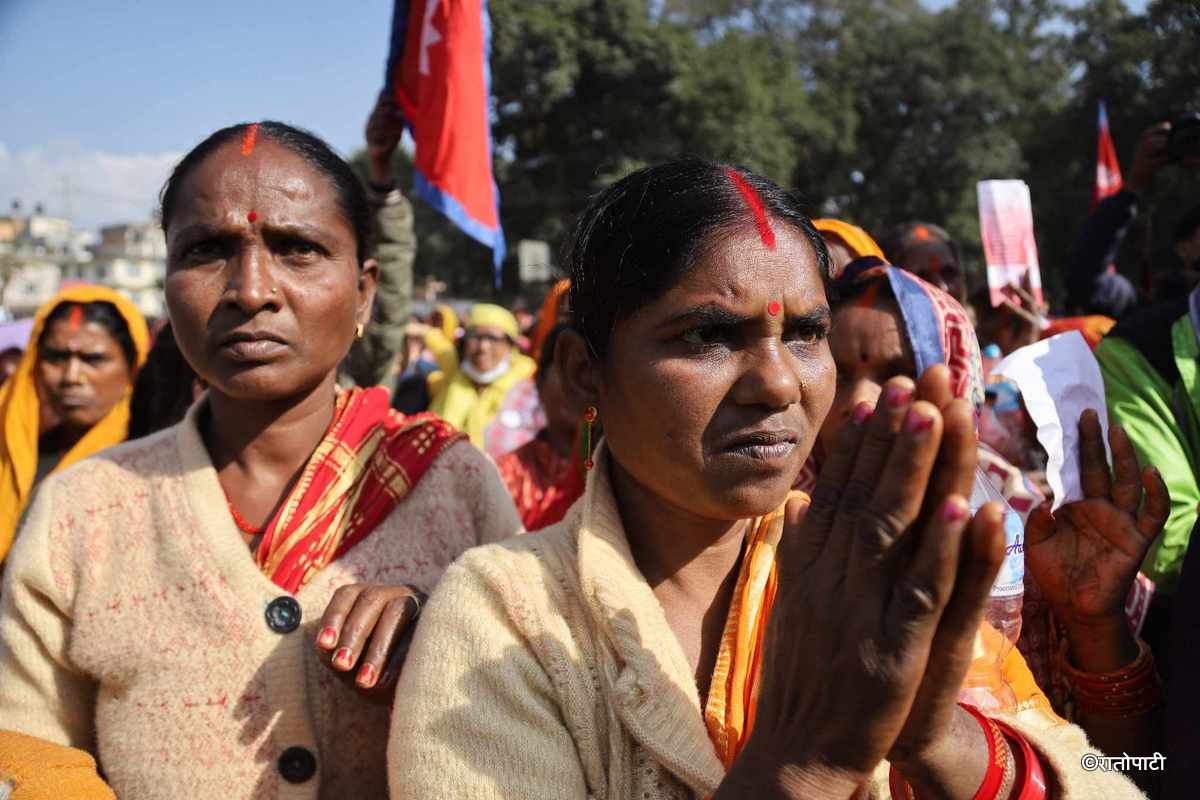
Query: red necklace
x=240 y=521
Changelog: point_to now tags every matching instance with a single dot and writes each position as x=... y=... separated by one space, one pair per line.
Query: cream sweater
x=132 y=624
x=544 y=667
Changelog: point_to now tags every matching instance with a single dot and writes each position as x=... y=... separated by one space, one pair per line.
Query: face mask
x=485 y=378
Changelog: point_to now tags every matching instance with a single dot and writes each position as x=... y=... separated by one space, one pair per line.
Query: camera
x=1184 y=139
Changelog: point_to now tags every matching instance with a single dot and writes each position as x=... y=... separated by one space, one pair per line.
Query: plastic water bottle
x=985 y=686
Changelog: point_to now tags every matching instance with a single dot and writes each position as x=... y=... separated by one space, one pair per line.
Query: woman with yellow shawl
x=687 y=630
x=70 y=395
x=469 y=390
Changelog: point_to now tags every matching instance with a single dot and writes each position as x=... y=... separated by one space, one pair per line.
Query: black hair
x=105 y=315
x=1187 y=225
x=162 y=392
x=641 y=235
x=351 y=197
x=546 y=359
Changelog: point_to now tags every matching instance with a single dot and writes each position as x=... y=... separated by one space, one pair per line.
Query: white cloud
x=93 y=187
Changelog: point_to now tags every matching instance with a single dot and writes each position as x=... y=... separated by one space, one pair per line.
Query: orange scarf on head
x=548 y=316
x=858 y=241
x=20 y=409
x=733 y=692
x=369 y=461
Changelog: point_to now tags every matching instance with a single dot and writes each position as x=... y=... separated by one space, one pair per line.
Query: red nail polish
x=898 y=396
x=862 y=412
x=366 y=676
x=953 y=511
x=917 y=423
x=328 y=638
x=341 y=658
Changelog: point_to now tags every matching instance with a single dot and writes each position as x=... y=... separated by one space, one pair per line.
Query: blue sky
x=99 y=99
x=109 y=94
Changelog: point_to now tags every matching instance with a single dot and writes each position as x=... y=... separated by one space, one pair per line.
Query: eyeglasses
x=488 y=338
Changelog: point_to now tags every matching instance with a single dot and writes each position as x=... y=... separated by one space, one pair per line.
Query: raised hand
x=1086 y=555
x=886 y=565
x=365 y=633
x=385 y=126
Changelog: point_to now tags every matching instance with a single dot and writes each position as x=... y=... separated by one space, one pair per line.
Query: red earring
x=589 y=417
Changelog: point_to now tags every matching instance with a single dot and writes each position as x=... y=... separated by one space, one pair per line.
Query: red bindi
x=773 y=308
x=75 y=321
x=251 y=217
x=756 y=207
x=249 y=138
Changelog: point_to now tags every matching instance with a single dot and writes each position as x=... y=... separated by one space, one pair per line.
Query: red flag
x=439 y=74
x=1108 y=169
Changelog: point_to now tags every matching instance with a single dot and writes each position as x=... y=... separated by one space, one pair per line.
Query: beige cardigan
x=132 y=624
x=544 y=667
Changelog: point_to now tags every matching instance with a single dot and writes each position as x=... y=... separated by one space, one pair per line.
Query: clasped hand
x=882 y=586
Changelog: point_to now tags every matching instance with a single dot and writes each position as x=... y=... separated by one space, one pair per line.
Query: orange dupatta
x=733 y=692
x=20 y=409
x=367 y=463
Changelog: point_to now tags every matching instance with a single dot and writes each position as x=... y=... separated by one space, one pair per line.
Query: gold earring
x=358 y=331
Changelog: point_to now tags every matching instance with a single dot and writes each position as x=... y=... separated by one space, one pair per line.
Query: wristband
x=1031 y=783
x=999 y=767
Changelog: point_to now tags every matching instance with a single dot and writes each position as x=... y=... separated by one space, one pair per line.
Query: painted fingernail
x=916 y=423
x=954 y=511
x=328 y=638
x=862 y=412
x=366 y=676
x=898 y=396
x=341 y=659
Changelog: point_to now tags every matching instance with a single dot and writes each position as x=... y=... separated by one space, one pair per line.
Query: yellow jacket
x=455 y=398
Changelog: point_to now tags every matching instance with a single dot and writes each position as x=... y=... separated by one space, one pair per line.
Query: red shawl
x=368 y=462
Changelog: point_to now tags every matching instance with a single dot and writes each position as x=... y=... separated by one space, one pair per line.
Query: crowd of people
x=705 y=526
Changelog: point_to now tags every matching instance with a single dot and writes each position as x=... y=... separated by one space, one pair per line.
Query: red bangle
x=1032 y=783
x=993 y=778
x=1124 y=693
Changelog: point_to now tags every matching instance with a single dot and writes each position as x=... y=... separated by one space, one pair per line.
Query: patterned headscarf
x=937 y=326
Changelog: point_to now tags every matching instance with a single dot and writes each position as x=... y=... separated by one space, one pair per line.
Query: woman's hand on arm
x=886 y=567
x=365 y=633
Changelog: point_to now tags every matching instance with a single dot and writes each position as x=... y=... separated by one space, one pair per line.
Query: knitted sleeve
x=496 y=517
x=41 y=693
x=476 y=716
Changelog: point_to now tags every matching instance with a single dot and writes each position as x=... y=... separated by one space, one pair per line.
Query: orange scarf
x=368 y=462
x=733 y=692
x=857 y=241
x=20 y=409
x=548 y=316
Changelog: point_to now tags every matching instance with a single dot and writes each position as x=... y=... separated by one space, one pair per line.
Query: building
x=35 y=253
x=131 y=258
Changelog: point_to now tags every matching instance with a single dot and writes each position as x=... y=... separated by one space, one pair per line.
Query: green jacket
x=372 y=359
x=1149 y=364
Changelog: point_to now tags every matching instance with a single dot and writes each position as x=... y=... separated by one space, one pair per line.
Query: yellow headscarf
x=20 y=410
x=449 y=320
x=858 y=241
x=493 y=316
